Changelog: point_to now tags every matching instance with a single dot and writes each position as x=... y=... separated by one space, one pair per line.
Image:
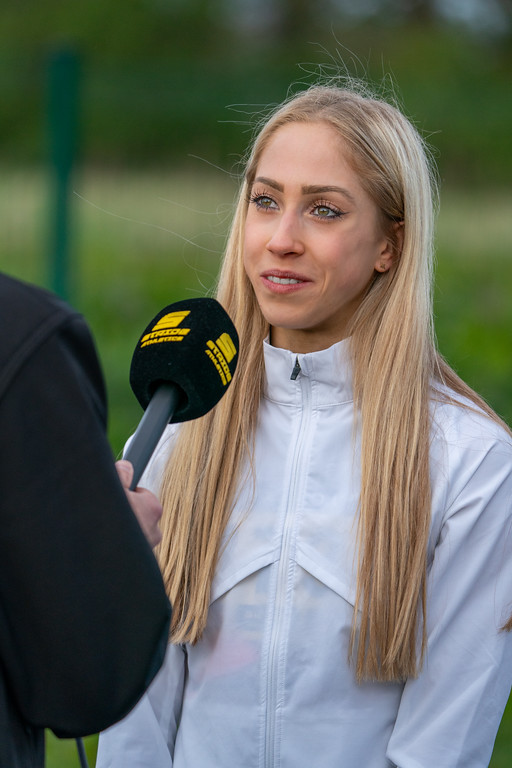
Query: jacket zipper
x=296 y=369
x=283 y=576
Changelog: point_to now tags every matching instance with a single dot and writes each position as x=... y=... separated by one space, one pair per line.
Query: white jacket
x=268 y=685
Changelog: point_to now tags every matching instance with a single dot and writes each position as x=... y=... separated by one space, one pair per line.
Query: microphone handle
x=155 y=419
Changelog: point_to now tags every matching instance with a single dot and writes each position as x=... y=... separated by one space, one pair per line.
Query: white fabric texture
x=269 y=684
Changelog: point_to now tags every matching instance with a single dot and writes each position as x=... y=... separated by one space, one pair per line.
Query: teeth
x=283 y=280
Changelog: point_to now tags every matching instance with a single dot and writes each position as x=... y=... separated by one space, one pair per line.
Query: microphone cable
x=81 y=753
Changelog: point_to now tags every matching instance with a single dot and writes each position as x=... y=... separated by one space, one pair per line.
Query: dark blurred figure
x=83 y=613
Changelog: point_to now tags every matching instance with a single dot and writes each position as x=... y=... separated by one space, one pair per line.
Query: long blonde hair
x=395 y=363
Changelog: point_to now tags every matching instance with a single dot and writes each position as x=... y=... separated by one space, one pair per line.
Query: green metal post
x=63 y=77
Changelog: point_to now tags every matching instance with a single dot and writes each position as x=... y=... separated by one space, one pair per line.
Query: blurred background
x=123 y=129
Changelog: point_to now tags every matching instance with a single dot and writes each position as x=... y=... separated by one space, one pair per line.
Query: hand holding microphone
x=182 y=365
x=145 y=505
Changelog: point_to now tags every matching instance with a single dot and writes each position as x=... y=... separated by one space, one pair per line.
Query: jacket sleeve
x=83 y=612
x=148 y=735
x=450 y=714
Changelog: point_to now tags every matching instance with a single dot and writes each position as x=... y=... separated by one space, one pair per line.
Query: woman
x=337 y=532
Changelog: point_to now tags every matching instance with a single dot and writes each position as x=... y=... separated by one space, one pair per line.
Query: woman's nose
x=286 y=238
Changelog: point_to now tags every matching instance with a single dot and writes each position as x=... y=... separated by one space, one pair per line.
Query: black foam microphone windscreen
x=182 y=365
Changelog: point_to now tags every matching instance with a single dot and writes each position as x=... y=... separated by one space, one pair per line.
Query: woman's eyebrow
x=308 y=189
x=318 y=189
x=269 y=182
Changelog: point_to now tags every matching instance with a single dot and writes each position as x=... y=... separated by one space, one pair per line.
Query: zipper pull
x=296 y=369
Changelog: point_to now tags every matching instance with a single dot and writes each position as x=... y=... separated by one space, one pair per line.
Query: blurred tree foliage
x=162 y=79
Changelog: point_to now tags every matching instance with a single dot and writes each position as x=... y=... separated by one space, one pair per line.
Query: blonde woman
x=337 y=539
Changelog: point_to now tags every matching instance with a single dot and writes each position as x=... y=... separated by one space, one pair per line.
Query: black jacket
x=83 y=613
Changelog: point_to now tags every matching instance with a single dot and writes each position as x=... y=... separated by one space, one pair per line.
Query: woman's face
x=313 y=237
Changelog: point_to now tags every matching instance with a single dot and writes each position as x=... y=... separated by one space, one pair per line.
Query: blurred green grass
x=473 y=298
x=142 y=240
x=63 y=753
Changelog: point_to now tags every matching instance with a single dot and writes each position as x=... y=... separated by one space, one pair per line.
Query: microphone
x=182 y=365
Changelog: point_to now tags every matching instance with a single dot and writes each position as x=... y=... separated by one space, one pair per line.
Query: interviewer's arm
x=83 y=612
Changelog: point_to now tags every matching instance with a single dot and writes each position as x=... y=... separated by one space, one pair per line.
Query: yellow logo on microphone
x=167 y=329
x=221 y=353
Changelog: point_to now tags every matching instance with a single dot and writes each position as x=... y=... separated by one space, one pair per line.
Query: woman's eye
x=264 y=202
x=326 y=212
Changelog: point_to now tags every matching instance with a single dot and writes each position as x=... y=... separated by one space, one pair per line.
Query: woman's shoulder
x=469 y=449
x=470 y=463
x=458 y=420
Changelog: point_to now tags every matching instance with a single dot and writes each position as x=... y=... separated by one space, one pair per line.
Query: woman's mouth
x=283 y=283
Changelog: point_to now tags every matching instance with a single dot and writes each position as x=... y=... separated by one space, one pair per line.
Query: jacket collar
x=328 y=372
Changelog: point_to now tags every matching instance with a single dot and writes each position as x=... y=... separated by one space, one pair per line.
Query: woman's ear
x=393 y=247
